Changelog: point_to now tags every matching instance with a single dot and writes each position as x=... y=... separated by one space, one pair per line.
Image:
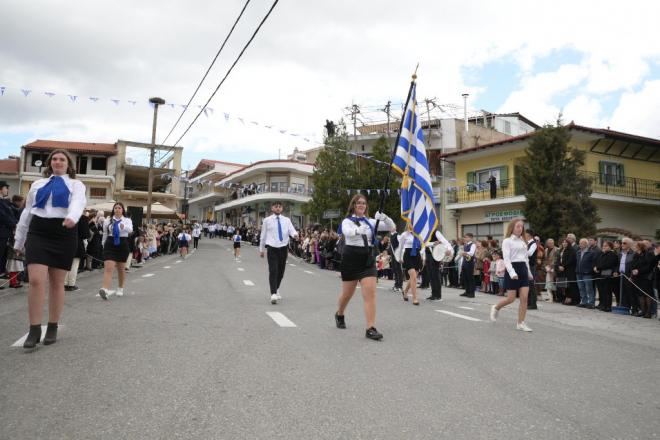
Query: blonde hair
x=511 y=226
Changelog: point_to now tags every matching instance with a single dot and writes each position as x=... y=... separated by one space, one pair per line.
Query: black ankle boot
x=33 y=337
x=51 y=333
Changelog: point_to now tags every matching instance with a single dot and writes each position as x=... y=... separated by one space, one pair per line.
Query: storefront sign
x=331 y=213
x=502 y=216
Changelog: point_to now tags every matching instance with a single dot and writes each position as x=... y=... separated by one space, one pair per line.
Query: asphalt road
x=191 y=352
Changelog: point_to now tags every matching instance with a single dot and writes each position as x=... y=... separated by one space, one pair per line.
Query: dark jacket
x=7 y=218
x=567 y=260
x=607 y=261
x=586 y=260
x=83 y=234
x=628 y=262
x=644 y=264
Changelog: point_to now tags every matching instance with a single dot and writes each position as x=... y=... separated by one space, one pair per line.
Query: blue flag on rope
x=417 y=201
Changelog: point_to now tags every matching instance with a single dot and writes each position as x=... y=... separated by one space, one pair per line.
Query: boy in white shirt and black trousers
x=275 y=232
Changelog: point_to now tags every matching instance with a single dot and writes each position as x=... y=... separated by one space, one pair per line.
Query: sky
x=63 y=62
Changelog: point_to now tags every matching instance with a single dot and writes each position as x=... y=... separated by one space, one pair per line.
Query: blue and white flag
x=417 y=202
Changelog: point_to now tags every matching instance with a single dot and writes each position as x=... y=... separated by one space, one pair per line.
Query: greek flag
x=417 y=202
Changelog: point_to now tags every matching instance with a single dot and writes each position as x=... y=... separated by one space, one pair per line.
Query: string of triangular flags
x=208 y=111
x=368 y=191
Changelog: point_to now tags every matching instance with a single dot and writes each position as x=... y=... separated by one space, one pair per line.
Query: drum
x=439 y=253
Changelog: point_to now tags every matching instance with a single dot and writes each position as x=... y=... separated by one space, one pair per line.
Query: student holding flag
x=358 y=262
x=116 y=230
x=47 y=233
x=275 y=232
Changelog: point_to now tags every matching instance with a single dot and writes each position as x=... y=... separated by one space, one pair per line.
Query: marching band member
x=116 y=230
x=467 y=266
x=47 y=233
x=435 y=268
x=358 y=263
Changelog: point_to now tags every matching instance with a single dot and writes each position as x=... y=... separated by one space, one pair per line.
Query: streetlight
x=156 y=102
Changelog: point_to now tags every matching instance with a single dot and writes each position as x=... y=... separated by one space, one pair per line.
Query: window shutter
x=471 y=175
x=601 y=172
x=620 y=177
x=504 y=176
x=517 y=190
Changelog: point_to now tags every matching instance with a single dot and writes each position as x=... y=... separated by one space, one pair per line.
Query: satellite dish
x=38 y=163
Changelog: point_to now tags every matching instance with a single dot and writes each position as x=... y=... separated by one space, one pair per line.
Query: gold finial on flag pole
x=414 y=75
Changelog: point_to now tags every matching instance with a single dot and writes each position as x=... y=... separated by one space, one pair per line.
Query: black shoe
x=372 y=333
x=51 y=333
x=33 y=337
x=606 y=309
x=532 y=308
x=430 y=298
x=339 y=321
x=591 y=306
x=463 y=294
x=582 y=305
x=468 y=296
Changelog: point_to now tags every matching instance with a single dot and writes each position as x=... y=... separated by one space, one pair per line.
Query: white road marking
x=465 y=308
x=280 y=319
x=457 y=315
x=291 y=264
x=248 y=283
x=311 y=273
x=147 y=275
x=20 y=342
x=178 y=261
x=240 y=269
x=167 y=267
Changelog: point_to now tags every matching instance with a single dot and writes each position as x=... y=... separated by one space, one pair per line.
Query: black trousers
x=195 y=242
x=605 y=290
x=398 y=274
x=276 y=266
x=531 y=296
x=467 y=274
x=3 y=254
x=434 y=275
x=453 y=275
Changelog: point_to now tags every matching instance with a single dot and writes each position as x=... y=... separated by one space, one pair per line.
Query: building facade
x=250 y=191
x=203 y=193
x=9 y=172
x=624 y=169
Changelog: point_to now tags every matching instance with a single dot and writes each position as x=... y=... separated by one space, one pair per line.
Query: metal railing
x=601 y=184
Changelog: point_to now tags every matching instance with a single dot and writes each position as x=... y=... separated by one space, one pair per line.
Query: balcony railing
x=280 y=189
x=601 y=184
x=625 y=186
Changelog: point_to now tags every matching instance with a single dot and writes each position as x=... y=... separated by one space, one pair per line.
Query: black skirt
x=354 y=265
x=49 y=243
x=410 y=262
x=116 y=253
x=523 y=277
x=237 y=245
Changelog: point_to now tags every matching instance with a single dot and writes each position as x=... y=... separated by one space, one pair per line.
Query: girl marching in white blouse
x=517 y=276
x=358 y=263
x=47 y=233
x=116 y=230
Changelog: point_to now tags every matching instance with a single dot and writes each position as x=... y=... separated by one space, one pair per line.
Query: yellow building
x=625 y=169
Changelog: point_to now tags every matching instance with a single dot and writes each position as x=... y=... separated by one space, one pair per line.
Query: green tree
x=558 y=195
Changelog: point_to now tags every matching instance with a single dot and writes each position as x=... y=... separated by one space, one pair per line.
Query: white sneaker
x=120 y=291
x=523 y=327
x=278 y=295
x=493 y=314
x=273 y=298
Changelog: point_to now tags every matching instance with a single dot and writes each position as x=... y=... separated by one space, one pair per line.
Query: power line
x=207 y=71
x=228 y=71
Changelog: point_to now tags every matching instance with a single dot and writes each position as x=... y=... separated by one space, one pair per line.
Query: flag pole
x=396 y=144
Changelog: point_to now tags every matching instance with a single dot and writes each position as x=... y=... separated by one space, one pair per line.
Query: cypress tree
x=558 y=195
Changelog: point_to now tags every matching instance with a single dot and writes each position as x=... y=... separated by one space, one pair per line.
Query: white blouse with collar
x=125 y=232
x=514 y=250
x=349 y=230
x=77 y=202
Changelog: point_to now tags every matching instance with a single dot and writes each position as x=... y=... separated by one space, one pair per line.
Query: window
x=97 y=193
x=507 y=127
x=482 y=230
x=99 y=163
x=39 y=156
x=611 y=173
x=478 y=180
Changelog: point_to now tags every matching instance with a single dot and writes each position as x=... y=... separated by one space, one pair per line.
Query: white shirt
x=532 y=249
x=237 y=238
x=185 y=236
x=197 y=230
x=349 y=229
x=473 y=249
x=406 y=240
x=441 y=238
x=270 y=236
x=514 y=250
x=77 y=202
x=107 y=227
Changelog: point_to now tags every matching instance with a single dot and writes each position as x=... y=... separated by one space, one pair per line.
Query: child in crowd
x=184 y=240
x=485 y=284
x=500 y=268
x=237 y=244
x=494 y=285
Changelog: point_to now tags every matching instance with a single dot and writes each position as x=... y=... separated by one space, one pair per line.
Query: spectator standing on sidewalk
x=7 y=223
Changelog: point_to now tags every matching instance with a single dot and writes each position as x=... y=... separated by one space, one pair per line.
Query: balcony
x=282 y=193
x=605 y=186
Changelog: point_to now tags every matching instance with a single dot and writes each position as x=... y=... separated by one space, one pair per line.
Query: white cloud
x=583 y=110
x=639 y=112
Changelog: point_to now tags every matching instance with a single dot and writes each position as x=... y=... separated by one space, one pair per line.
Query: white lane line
x=458 y=315
x=240 y=269
x=20 y=342
x=147 y=275
x=465 y=308
x=178 y=261
x=167 y=267
x=311 y=273
x=248 y=283
x=280 y=319
x=291 y=264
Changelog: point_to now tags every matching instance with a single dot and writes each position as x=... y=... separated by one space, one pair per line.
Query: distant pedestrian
x=116 y=230
x=184 y=242
x=237 y=245
x=47 y=232
x=275 y=232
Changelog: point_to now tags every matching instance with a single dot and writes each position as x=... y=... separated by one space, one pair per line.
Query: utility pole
x=428 y=115
x=156 y=102
x=465 y=97
x=387 y=108
x=354 y=110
